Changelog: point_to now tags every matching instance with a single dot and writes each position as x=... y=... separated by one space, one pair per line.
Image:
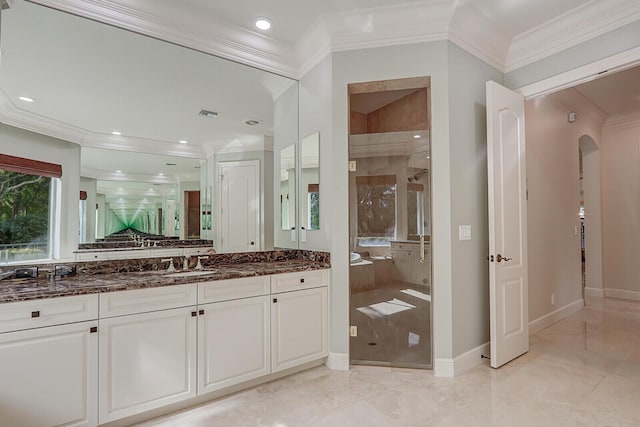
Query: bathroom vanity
x=99 y=348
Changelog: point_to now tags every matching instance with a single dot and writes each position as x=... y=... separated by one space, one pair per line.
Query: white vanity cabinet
x=233 y=332
x=49 y=366
x=147 y=349
x=299 y=309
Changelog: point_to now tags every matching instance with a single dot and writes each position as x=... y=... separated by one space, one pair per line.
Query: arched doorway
x=591 y=217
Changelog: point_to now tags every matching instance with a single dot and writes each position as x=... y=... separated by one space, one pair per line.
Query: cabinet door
x=233 y=342
x=403 y=262
x=49 y=376
x=146 y=361
x=298 y=327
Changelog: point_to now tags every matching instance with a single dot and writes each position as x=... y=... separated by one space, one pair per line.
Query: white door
x=239 y=206
x=147 y=361
x=233 y=342
x=508 y=289
x=298 y=327
x=49 y=376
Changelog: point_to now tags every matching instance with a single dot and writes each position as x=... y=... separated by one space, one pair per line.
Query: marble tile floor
x=582 y=371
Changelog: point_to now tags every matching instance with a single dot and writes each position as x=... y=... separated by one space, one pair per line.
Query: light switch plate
x=352 y=165
x=464 y=232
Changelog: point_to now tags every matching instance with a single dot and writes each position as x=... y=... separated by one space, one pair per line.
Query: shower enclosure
x=390 y=223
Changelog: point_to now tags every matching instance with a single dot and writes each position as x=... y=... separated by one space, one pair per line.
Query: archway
x=591 y=216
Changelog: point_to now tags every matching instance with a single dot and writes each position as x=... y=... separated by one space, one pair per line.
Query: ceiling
x=615 y=94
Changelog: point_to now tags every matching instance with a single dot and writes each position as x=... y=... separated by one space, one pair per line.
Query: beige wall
x=621 y=200
x=554 y=197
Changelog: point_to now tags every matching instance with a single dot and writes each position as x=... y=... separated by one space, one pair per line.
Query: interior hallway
x=582 y=371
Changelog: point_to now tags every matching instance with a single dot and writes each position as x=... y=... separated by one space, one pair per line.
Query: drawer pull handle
x=35 y=313
x=93 y=329
x=301 y=280
x=201 y=312
x=275 y=300
x=194 y=314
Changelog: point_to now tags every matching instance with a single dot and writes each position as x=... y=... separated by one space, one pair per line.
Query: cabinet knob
x=201 y=312
x=301 y=280
x=93 y=329
x=35 y=313
x=194 y=314
x=275 y=300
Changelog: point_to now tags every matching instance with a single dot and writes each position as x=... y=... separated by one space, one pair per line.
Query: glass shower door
x=390 y=270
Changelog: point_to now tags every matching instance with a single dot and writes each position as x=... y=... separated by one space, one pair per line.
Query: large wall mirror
x=161 y=114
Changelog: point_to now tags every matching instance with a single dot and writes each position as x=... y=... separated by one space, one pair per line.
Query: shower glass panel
x=389 y=215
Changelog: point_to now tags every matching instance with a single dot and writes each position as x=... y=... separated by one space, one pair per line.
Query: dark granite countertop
x=29 y=289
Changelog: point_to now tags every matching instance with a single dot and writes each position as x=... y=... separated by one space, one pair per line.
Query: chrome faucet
x=185 y=262
x=199 y=265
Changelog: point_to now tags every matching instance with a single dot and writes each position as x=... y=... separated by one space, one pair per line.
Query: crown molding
x=576 y=26
x=201 y=32
x=476 y=34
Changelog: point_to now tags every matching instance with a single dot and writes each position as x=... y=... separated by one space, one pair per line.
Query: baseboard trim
x=594 y=292
x=338 y=361
x=462 y=363
x=547 y=320
x=622 y=294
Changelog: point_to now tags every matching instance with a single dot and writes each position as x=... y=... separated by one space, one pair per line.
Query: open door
x=506 y=161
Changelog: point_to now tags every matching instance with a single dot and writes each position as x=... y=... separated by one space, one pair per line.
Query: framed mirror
x=310 y=182
x=111 y=89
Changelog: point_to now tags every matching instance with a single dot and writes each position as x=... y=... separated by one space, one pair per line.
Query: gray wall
x=315 y=107
x=468 y=156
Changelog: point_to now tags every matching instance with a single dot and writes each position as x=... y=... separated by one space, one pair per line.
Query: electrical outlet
x=553 y=299
x=353 y=331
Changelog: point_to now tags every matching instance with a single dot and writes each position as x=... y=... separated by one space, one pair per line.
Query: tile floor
x=582 y=371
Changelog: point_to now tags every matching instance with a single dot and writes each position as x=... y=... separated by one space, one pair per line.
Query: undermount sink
x=191 y=273
x=355 y=257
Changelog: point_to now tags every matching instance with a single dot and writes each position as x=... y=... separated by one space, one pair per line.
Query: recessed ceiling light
x=416 y=136
x=251 y=122
x=263 y=23
x=161 y=174
x=182 y=141
x=26 y=99
x=118 y=171
x=115 y=132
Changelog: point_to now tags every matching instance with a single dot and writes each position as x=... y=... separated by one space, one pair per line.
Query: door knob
x=500 y=258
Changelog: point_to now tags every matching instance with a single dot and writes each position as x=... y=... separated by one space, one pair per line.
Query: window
x=376 y=209
x=26 y=194
x=313 y=202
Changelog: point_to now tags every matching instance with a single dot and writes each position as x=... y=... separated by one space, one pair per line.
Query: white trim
x=622 y=294
x=623 y=121
x=338 y=361
x=592 y=71
x=594 y=292
x=549 y=319
x=570 y=29
x=462 y=363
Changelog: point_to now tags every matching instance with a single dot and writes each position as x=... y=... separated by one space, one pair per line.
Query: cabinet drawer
x=299 y=280
x=165 y=252
x=145 y=300
x=405 y=246
x=196 y=251
x=225 y=290
x=16 y=316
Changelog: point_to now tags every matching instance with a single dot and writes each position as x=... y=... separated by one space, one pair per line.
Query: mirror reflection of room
x=389 y=204
x=310 y=181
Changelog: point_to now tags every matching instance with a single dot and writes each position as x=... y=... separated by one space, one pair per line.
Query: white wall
x=22 y=143
x=620 y=157
x=554 y=197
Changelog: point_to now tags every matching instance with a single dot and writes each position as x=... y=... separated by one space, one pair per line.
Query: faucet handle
x=171 y=267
